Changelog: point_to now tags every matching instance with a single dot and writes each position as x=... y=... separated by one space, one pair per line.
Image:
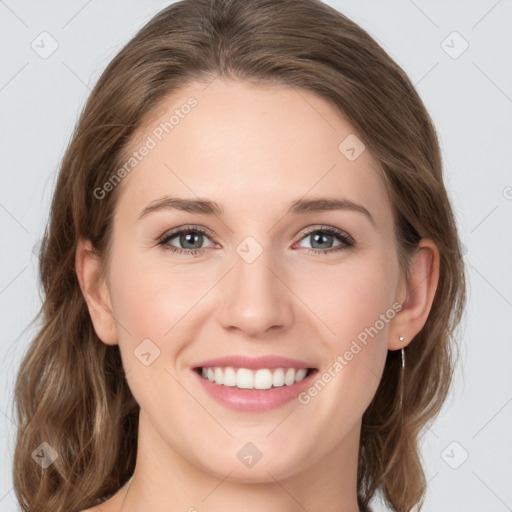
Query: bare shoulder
x=110 y=505
x=98 y=509
x=102 y=507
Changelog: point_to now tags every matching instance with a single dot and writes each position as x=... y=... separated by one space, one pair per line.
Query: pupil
x=319 y=236
x=185 y=239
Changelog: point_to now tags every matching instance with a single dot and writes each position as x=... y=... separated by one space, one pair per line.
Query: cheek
x=355 y=305
x=150 y=298
x=149 y=295
x=350 y=297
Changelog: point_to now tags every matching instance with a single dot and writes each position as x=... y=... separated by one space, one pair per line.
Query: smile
x=245 y=378
x=259 y=390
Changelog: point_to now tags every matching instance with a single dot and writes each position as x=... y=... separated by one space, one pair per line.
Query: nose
x=255 y=298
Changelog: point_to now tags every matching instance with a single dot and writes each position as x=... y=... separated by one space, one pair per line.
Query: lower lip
x=254 y=400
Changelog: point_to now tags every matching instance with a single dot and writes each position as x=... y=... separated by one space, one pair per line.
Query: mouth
x=255 y=390
x=254 y=379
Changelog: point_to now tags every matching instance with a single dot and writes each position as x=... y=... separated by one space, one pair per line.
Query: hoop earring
x=402 y=339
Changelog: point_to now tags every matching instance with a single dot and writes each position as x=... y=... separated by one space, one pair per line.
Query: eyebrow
x=297 y=207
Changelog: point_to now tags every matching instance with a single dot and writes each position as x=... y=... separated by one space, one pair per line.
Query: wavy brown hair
x=71 y=391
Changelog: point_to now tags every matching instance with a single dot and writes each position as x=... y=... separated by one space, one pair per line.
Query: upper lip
x=239 y=361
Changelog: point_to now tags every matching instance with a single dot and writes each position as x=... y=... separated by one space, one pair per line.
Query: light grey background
x=469 y=97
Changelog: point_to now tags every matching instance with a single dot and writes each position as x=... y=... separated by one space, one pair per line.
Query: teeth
x=244 y=378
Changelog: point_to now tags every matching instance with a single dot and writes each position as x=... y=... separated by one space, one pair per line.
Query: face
x=255 y=278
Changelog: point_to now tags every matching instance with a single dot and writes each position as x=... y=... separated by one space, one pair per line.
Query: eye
x=322 y=239
x=191 y=239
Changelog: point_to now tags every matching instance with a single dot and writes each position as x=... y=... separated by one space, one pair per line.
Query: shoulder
x=98 y=508
x=109 y=505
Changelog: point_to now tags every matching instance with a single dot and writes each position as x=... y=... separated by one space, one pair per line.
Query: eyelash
x=347 y=240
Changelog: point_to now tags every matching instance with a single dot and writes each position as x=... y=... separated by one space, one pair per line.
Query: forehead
x=250 y=148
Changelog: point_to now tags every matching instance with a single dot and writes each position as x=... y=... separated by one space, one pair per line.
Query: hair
x=71 y=391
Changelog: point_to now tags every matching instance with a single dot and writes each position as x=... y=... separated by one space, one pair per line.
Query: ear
x=95 y=291
x=417 y=290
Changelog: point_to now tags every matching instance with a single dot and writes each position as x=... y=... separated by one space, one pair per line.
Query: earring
x=402 y=384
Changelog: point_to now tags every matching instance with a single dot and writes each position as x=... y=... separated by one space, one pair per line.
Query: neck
x=168 y=478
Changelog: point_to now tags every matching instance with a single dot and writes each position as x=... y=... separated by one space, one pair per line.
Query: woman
x=194 y=354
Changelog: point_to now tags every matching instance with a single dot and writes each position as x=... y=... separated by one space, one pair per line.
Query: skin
x=252 y=149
